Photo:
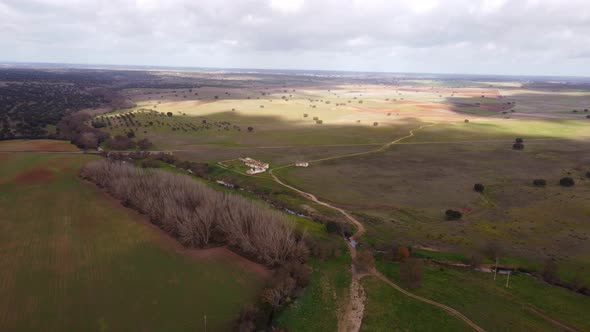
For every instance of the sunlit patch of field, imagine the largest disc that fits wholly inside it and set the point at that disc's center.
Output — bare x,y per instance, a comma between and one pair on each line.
489,129
342,114
74,260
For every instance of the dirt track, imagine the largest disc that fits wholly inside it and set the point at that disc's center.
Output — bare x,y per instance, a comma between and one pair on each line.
351,320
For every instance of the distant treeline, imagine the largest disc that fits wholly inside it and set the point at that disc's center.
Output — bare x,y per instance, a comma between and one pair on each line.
27,109
199,216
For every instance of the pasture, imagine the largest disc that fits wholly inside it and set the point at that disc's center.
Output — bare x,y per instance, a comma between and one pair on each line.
405,201
492,305
401,193
388,310
75,260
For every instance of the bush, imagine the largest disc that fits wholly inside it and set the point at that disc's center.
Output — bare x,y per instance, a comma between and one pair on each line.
478,187
539,182
98,124
333,227
492,250
549,271
120,142
401,254
588,174
169,114
411,272
518,146
144,144
567,182
453,214
150,163
519,140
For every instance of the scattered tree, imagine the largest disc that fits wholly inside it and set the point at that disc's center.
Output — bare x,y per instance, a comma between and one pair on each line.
411,272
567,182
401,253
492,250
453,214
120,142
144,144
539,182
549,271
478,187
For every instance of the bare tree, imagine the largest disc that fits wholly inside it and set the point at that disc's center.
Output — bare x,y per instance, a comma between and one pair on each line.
198,215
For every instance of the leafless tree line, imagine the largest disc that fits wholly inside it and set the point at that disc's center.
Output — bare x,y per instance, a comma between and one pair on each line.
199,216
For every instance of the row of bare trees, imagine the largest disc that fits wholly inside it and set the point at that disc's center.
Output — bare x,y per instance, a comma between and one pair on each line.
199,216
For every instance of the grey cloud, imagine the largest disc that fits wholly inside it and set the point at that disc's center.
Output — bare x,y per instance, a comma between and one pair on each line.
477,36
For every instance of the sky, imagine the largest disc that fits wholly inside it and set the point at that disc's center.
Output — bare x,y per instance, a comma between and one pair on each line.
518,37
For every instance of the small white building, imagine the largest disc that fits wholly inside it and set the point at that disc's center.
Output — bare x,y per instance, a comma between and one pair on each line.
225,184
302,164
255,166
255,170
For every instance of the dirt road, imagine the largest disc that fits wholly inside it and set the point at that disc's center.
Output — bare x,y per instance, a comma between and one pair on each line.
351,319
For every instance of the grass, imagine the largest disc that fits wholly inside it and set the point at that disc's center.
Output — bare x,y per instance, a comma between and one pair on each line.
490,129
36,145
317,309
401,195
493,306
386,309
73,260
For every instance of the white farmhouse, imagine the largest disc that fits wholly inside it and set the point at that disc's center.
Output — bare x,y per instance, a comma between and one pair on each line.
255,166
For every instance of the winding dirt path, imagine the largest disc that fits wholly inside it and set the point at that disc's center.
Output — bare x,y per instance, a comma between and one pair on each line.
351,320
425,300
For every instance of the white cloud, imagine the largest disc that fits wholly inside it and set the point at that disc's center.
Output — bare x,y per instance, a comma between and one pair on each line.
287,6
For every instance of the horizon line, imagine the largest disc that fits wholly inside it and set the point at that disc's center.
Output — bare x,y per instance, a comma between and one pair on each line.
65,65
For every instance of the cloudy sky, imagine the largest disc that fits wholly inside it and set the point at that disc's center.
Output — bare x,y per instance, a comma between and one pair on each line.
539,37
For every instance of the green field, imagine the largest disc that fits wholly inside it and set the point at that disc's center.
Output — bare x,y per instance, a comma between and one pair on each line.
401,193
74,260
493,306
388,310
323,299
